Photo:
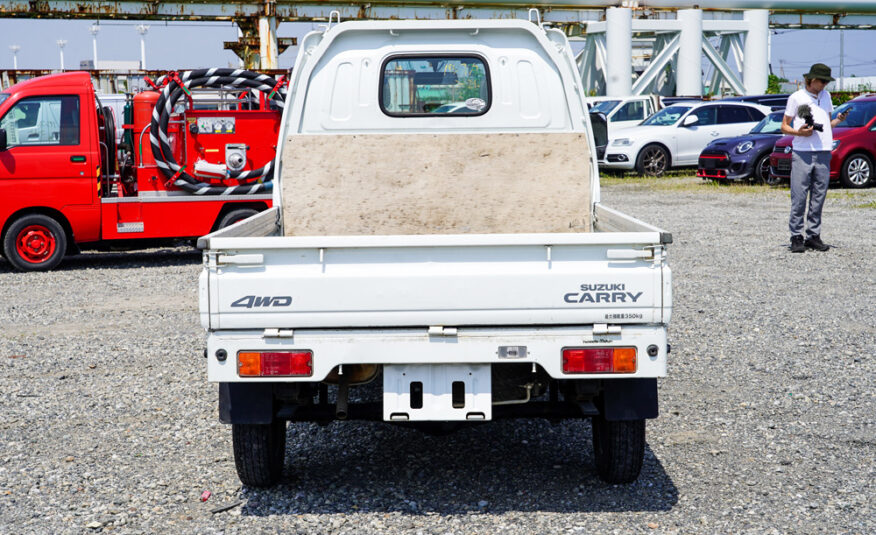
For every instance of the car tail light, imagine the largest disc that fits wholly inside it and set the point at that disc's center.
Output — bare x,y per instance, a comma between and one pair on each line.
599,360
274,363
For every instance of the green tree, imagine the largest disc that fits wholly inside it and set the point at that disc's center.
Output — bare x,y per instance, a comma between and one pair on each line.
774,84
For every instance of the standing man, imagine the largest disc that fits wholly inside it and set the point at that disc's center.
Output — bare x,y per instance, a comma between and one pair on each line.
810,161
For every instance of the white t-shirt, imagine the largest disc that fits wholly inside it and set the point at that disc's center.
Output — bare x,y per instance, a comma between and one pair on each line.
821,107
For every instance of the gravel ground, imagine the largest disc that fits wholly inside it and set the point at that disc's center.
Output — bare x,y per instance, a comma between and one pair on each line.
107,423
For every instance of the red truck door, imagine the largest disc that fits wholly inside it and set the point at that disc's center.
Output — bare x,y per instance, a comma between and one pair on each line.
49,166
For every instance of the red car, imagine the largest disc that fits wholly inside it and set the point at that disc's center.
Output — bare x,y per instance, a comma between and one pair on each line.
854,147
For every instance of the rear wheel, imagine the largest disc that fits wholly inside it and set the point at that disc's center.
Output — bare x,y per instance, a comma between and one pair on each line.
259,452
236,215
35,242
618,449
653,160
857,171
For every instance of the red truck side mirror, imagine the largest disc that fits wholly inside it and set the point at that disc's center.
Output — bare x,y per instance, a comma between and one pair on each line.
2,139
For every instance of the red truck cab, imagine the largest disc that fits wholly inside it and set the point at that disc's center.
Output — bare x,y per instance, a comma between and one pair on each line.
59,187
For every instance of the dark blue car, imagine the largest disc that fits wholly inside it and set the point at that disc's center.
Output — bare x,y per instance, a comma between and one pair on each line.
744,157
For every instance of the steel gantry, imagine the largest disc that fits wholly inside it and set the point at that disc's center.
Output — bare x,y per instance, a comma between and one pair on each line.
676,33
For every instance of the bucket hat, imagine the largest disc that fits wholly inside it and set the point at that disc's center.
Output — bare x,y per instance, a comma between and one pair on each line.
819,71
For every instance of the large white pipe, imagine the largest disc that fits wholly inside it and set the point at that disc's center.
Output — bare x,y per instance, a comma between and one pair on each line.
689,81
268,43
756,65
619,53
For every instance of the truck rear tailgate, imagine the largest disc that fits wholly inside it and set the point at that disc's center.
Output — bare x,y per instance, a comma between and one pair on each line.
430,280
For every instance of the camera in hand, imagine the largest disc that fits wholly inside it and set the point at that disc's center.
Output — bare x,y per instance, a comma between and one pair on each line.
805,112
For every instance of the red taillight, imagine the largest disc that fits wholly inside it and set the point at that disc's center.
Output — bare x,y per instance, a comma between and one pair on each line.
274,363
599,360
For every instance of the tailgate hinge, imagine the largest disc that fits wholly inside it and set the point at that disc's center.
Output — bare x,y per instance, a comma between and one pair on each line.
603,328
440,330
240,259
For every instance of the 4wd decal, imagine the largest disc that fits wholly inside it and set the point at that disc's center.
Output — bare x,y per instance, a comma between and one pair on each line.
251,301
602,293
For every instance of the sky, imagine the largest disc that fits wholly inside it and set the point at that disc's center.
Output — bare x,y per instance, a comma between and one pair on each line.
196,45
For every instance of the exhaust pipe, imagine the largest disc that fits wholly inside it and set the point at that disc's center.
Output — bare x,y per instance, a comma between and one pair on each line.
341,407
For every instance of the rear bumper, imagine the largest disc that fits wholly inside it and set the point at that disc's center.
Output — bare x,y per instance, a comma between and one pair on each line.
474,345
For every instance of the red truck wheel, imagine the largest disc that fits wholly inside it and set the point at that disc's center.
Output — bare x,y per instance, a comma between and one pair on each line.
35,242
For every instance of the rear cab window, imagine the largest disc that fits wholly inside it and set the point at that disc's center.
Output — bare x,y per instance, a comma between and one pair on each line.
434,85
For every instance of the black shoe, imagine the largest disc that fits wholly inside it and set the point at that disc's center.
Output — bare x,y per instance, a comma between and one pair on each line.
797,244
814,242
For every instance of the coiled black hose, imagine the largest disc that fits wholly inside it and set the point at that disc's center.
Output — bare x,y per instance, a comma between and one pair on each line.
250,182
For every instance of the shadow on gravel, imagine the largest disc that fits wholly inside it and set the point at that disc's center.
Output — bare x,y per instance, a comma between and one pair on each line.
498,467
122,260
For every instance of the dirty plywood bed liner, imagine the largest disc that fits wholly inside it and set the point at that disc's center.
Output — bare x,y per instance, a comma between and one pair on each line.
336,185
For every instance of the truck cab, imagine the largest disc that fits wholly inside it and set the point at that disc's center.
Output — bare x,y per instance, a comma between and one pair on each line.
66,180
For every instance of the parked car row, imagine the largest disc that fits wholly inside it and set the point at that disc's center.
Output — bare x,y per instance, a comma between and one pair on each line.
734,139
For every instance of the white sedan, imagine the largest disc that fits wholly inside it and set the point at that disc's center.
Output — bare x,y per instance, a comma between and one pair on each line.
675,136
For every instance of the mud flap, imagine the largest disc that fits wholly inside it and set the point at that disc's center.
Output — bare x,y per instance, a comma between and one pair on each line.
246,403
629,399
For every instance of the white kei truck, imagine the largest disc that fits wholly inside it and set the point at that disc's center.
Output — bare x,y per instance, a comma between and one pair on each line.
436,228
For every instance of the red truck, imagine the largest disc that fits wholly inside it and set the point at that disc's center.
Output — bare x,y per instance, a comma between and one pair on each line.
67,181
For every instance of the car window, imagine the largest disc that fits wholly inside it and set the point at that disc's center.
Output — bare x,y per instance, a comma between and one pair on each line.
860,113
631,111
42,121
734,114
604,106
706,115
667,116
434,85
771,124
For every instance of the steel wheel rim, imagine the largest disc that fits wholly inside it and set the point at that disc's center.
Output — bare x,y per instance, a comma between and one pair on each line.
655,161
35,244
858,171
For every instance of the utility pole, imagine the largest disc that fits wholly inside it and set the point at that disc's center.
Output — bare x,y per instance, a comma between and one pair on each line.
15,49
142,29
94,29
61,44
842,58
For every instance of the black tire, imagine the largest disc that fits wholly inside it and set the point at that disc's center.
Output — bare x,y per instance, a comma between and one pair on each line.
238,214
761,172
618,449
857,171
259,452
653,160
35,242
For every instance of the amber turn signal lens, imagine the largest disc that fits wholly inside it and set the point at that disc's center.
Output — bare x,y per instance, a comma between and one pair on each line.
249,364
624,360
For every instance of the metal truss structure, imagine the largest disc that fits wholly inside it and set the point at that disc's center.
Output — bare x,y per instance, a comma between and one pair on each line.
679,30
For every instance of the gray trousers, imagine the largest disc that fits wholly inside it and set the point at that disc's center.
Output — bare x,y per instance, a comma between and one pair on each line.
810,174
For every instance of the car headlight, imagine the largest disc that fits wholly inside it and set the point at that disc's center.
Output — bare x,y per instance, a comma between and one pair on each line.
622,142
836,144
788,149
744,147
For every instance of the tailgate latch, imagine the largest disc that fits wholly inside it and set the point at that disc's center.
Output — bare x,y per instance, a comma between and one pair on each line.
440,330
603,328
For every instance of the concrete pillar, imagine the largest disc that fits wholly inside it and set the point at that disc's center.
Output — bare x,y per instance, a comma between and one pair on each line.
690,53
756,65
619,51
268,43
